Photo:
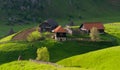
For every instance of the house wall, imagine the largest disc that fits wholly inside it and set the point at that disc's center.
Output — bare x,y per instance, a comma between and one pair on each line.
88,31
69,31
60,36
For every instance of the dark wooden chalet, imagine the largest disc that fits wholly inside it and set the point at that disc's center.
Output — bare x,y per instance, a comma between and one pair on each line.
60,33
48,25
89,25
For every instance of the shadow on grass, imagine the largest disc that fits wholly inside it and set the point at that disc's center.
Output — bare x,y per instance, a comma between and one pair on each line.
57,50
8,56
68,49
72,48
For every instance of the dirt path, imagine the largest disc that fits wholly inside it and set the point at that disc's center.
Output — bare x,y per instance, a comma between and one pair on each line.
41,62
23,35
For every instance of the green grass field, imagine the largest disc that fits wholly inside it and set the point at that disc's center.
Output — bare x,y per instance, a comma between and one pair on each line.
106,59
114,30
71,55
27,65
11,50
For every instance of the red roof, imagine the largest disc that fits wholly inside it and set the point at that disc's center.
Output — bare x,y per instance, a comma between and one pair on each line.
59,29
90,25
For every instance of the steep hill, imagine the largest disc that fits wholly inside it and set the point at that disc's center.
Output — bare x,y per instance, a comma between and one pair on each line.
12,50
34,10
114,30
106,59
68,48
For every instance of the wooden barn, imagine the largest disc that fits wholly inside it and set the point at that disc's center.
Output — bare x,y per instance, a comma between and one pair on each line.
60,33
89,25
48,25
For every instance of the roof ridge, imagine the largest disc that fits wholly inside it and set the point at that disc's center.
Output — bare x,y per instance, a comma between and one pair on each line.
59,29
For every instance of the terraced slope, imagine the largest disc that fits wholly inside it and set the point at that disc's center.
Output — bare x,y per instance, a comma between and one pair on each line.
23,34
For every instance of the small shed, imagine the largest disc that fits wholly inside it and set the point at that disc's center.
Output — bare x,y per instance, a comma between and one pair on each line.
60,33
48,25
89,25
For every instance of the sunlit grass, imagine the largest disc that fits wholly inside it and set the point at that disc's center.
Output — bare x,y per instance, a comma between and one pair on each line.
106,59
28,65
114,30
8,38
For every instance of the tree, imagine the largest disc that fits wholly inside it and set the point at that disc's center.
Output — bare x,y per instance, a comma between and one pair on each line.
34,36
94,34
42,54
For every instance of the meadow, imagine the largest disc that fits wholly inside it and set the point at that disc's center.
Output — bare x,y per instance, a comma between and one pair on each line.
68,55
27,65
4,29
88,53
114,30
106,59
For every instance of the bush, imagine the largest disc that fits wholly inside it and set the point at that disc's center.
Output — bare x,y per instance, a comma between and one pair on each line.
42,54
34,36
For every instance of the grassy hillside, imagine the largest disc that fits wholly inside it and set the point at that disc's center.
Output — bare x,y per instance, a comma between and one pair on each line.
8,38
27,65
106,59
114,30
68,48
11,50
4,29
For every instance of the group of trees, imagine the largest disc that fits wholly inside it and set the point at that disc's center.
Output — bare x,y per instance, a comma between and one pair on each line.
21,11
33,10
24,4
34,36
